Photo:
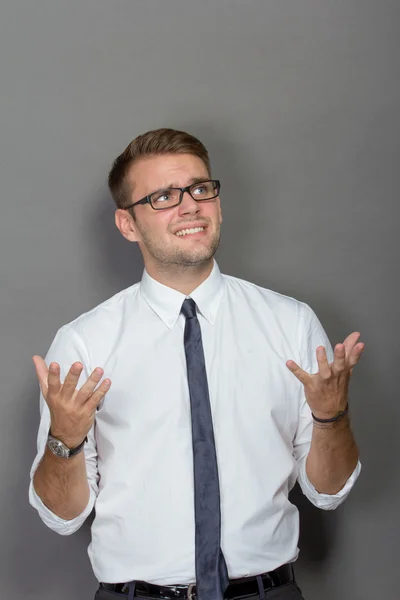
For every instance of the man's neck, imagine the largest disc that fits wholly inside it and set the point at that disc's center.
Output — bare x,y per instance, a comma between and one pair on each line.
184,279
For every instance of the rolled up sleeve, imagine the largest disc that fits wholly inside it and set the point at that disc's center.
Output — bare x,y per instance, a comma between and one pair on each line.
53,521
326,501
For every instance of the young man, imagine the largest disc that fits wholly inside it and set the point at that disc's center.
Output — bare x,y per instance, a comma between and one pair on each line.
223,394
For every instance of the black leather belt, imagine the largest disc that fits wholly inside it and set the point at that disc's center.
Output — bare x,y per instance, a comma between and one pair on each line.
246,586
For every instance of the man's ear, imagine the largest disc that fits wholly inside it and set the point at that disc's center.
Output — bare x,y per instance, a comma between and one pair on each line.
127,226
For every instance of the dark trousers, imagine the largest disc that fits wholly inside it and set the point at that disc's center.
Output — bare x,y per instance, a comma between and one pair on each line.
289,591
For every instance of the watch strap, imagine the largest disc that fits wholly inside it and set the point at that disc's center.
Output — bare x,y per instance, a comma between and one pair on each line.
60,449
73,451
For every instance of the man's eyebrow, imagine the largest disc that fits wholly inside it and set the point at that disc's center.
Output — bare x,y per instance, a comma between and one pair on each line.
198,179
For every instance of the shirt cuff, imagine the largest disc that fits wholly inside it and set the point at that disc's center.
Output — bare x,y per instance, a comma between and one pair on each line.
326,501
53,521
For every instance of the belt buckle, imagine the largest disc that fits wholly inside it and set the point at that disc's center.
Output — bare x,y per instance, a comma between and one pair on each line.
190,593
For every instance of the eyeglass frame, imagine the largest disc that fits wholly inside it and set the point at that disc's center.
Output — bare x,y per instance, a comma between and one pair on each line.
146,199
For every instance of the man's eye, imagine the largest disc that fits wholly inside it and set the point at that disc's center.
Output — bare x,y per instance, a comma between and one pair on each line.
200,190
163,197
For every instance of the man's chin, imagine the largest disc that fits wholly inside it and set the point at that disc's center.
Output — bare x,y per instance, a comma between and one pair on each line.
183,257
194,258
193,261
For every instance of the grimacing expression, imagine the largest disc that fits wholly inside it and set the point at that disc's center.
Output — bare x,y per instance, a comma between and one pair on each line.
163,235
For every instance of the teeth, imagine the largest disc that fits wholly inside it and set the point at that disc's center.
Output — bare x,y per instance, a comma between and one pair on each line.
186,231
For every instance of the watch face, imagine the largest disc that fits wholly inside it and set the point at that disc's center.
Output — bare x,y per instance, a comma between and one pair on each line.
58,448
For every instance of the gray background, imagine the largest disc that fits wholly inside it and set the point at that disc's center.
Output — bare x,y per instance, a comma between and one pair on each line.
297,101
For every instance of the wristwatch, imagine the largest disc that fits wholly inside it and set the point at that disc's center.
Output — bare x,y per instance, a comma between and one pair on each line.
60,449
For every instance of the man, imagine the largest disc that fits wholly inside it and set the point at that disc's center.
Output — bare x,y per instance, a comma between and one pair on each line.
223,394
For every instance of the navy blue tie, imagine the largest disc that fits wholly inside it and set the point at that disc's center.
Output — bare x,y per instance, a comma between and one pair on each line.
211,572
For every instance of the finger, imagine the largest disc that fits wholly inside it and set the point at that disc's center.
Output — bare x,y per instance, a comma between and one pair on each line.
350,342
53,379
323,365
89,386
41,373
98,395
301,375
71,380
356,354
339,359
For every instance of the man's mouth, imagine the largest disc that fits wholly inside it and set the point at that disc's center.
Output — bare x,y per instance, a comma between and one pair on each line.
191,231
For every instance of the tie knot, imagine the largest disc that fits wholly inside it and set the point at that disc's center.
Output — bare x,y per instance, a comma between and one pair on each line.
189,308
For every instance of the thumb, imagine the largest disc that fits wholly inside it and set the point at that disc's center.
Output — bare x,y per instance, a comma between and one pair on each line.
42,373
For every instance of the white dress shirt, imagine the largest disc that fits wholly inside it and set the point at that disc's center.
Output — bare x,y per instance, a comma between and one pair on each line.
139,453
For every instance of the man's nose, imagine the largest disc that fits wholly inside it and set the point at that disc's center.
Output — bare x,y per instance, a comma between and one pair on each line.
188,204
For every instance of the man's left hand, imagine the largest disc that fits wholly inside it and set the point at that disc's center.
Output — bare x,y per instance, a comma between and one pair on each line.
327,391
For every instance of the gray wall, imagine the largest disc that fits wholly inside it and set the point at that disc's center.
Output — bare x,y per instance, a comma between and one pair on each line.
298,103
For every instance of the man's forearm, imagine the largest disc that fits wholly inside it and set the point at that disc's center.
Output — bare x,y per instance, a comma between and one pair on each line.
333,456
62,484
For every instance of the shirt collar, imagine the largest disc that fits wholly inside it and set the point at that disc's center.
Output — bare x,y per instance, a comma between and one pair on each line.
167,302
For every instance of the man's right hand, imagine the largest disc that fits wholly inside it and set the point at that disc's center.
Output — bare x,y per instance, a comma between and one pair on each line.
72,411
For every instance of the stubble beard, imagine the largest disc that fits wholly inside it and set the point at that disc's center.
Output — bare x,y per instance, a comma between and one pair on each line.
179,257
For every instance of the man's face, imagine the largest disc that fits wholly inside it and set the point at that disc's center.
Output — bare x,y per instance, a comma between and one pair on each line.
155,230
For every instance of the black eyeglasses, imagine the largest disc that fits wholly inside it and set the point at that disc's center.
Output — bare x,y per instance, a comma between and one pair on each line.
170,197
